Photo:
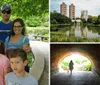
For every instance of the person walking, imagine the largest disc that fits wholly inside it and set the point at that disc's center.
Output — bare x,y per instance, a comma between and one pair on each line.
71,66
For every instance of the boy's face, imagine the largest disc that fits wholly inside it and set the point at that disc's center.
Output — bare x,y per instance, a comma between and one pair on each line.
17,64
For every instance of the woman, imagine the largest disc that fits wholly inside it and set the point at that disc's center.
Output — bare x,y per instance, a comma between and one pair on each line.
17,39
71,66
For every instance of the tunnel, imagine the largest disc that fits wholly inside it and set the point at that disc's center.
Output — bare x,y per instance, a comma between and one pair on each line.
60,51
79,62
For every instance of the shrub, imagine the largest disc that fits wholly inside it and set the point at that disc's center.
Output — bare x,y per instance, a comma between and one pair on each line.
87,67
61,37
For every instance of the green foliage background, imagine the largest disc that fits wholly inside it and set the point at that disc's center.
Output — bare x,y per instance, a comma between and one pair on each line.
33,12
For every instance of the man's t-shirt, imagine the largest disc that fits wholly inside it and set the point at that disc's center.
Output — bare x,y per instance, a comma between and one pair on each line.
12,79
5,30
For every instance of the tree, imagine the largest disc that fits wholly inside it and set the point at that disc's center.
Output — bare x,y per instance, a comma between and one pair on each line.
83,20
98,19
26,8
94,20
33,12
89,20
57,18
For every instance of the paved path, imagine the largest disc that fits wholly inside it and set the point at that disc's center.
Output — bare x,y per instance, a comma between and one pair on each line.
42,48
77,78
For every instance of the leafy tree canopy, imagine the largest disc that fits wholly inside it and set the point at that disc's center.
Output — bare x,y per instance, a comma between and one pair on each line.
57,18
26,8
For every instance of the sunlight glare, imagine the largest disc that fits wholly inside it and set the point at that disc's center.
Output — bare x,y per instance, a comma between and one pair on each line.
74,57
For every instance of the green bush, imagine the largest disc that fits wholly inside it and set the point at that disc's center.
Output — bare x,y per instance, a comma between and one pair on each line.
77,61
46,24
87,67
33,21
30,31
64,65
61,37
30,57
41,31
44,31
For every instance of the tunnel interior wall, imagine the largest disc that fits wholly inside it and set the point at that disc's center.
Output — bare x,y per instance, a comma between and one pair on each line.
60,51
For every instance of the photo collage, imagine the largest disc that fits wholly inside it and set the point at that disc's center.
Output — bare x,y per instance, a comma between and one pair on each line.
49,42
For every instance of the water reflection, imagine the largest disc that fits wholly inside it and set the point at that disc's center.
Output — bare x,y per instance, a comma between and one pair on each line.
82,31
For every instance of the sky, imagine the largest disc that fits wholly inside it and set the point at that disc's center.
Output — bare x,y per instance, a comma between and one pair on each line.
93,6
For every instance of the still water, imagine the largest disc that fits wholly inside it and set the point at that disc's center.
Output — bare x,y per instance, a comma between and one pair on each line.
80,31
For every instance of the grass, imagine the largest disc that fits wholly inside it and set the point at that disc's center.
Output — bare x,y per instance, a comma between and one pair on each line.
61,37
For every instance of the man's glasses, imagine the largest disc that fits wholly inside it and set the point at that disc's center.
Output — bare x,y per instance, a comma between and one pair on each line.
8,12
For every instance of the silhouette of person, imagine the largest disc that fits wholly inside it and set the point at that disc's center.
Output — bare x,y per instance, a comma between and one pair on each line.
71,66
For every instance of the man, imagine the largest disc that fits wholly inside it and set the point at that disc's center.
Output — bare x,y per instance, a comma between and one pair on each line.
5,23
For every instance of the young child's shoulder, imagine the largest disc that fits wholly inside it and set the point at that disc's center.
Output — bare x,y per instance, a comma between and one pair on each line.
9,74
32,79
30,76
29,80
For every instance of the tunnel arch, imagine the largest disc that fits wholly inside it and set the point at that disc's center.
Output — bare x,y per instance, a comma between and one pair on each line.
74,52
90,51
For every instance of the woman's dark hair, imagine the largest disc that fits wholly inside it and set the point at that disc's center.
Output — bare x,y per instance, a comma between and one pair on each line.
2,47
22,24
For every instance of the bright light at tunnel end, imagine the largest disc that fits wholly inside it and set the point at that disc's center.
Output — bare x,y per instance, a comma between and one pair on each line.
75,56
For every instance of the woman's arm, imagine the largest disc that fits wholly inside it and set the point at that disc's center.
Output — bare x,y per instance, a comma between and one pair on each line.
26,48
26,45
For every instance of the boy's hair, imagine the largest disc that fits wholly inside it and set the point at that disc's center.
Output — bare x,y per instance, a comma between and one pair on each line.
2,47
18,52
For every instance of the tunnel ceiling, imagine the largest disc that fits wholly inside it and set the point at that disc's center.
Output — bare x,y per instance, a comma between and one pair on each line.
57,50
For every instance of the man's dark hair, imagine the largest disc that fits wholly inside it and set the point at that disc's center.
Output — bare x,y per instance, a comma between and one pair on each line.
18,52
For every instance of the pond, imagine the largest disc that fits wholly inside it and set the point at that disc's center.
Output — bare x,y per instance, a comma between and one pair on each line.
81,31
75,31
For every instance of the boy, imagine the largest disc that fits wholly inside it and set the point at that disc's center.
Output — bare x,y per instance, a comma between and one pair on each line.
18,61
